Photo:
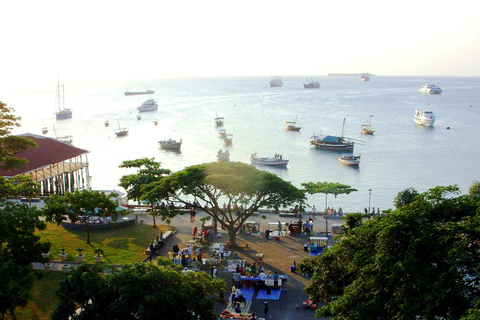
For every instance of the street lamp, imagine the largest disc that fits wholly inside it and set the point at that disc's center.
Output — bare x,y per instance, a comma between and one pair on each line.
369,196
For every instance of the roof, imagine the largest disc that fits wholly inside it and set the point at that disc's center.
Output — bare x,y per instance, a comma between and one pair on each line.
49,151
332,139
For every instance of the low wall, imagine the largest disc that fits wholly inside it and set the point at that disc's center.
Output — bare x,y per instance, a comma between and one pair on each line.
99,226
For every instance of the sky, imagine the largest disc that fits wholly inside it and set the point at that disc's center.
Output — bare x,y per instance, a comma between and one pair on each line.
88,41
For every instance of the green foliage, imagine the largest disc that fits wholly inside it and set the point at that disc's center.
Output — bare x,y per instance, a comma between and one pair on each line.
405,197
352,221
78,205
138,291
419,262
236,184
10,145
474,191
19,248
334,188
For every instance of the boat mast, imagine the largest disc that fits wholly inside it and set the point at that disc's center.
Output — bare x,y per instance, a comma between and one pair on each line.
58,92
63,92
343,127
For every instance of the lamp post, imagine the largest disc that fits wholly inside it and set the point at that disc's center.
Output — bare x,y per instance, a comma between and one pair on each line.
369,196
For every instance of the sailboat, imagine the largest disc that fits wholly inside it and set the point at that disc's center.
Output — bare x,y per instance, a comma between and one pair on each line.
332,143
64,139
121,131
367,128
62,112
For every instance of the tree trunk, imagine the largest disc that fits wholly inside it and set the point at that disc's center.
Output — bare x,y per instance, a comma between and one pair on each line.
232,234
88,231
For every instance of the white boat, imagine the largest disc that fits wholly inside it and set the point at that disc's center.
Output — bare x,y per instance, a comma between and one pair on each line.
227,140
62,112
170,144
424,118
149,105
222,133
292,125
332,143
106,123
349,160
44,130
277,161
276,81
431,88
120,132
311,84
223,156
365,77
367,128
218,121
134,93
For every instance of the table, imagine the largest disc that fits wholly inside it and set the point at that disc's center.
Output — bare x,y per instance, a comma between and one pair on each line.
269,282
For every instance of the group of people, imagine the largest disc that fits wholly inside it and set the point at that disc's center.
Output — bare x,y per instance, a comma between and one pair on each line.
157,243
185,255
370,215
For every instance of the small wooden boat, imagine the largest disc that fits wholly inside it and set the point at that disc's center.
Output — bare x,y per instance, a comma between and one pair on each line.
292,125
218,120
44,130
223,156
106,123
222,133
349,160
139,117
120,132
367,128
170,144
228,139
155,122
277,161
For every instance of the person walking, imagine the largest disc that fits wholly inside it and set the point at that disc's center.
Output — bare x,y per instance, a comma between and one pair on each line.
215,273
265,311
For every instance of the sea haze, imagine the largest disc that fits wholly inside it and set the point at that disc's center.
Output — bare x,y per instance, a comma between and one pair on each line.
400,155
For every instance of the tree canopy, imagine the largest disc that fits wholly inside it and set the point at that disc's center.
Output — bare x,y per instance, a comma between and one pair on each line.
10,145
418,262
241,187
78,206
140,291
334,188
405,197
19,248
148,171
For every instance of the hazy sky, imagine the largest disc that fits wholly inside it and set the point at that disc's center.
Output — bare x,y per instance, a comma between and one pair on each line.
84,41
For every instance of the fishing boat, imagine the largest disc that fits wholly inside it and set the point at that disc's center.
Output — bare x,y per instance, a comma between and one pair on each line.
44,130
276,161
134,93
365,77
106,123
149,105
120,132
367,128
62,113
170,144
431,88
311,84
218,120
292,125
222,133
349,160
155,122
139,117
276,81
332,143
424,118
223,156
227,140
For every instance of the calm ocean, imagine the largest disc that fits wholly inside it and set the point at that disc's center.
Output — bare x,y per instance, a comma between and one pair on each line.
401,154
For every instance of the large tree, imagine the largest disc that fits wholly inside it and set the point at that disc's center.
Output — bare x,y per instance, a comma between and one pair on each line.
148,171
140,291
78,206
327,188
241,187
10,145
19,248
418,262
405,197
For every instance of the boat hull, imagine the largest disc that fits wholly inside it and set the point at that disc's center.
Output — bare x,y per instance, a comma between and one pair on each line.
334,147
270,164
350,161
170,144
424,122
311,86
64,114
121,133
135,93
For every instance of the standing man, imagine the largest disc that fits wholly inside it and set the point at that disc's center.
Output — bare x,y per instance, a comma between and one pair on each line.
215,273
279,228
265,311
221,250
314,212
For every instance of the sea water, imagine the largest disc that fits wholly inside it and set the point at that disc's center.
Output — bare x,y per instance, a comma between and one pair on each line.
401,154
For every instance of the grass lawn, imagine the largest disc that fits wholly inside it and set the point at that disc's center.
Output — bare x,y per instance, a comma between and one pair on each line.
120,246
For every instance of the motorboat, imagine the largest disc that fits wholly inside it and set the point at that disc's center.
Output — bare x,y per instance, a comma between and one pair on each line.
365,77
311,84
149,105
44,130
332,143
134,93
227,140
430,88
106,123
170,144
120,132
276,161
276,81
349,160
367,128
222,133
424,118
223,156
62,113
292,125
218,121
